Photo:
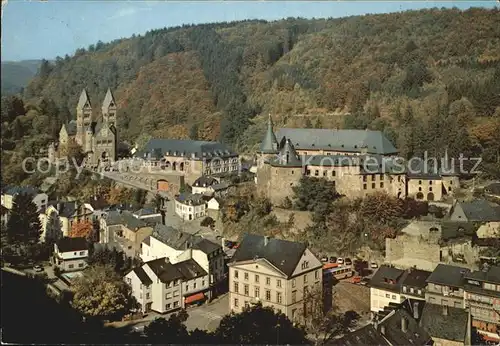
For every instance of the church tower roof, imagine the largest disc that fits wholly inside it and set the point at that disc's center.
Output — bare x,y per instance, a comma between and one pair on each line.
269,143
288,156
109,101
84,100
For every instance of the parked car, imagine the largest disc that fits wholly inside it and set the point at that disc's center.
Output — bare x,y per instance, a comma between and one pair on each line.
38,268
356,279
348,262
364,281
333,259
373,265
340,260
324,259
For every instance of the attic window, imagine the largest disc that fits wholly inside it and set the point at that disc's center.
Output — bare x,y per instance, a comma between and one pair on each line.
374,147
355,147
312,144
342,145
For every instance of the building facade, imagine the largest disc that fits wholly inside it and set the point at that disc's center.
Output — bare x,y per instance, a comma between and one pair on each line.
386,288
40,199
274,272
58,219
70,254
445,286
190,206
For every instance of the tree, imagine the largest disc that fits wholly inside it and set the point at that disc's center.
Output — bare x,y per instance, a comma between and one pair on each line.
171,331
381,208
53,227
81,229
259,325
23,226
316,195
119,195
103,294
73,151
207,222
193,132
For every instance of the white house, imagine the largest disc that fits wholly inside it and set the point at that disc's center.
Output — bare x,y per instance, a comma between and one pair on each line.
210,187
70,254
179,246
190,206
385,287
162,286
214,204
39,198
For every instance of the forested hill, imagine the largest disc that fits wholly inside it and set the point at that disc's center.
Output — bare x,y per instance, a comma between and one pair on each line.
425,73
17,74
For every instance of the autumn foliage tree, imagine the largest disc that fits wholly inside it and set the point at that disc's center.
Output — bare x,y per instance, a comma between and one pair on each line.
381,208
82,229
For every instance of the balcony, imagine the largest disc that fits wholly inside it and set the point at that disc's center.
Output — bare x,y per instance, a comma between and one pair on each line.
477,301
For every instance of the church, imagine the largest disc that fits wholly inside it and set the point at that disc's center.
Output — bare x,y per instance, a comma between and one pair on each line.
96,135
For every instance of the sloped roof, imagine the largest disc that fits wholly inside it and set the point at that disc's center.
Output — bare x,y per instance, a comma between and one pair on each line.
165,270
493,188
71,244
206,246
205,181
71,128
480,210
125,218
84,98
190,269
108,100
452,230
269,143
283,254
16,190
341,140
452,326
416,278
414,334
173,237
491,275
287,156
385,274
187,148
143,276
448,275
367,335
191,198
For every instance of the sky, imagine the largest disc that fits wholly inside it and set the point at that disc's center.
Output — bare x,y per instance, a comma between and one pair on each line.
35,30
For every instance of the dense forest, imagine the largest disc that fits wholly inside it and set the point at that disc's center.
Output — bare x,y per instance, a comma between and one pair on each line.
17,74
429,79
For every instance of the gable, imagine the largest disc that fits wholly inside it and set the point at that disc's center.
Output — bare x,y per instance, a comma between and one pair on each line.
458,213
260,266
311,260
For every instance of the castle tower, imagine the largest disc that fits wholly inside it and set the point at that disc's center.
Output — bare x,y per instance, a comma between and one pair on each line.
83,117
109,109
269,145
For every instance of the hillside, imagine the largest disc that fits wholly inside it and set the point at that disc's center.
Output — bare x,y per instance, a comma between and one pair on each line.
429,79
17,74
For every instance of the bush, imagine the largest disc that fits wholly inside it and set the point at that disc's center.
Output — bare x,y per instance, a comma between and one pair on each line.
207,222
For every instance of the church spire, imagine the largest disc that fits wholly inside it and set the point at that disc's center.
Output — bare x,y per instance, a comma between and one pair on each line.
269,143
83,101
109,102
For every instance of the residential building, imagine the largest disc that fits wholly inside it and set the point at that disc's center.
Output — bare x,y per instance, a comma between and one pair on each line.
178,246
123,228
475,211
162,286
189,158
70,254
9,193
399,327
445,286
278,273
190,206
58,218
414,284
210,186
214,203
493,190
482,298
149,215
367,335
386,287
448,326
98,206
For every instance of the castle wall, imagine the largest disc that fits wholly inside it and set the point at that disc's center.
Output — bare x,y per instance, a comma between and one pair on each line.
427,189
282,180
450,184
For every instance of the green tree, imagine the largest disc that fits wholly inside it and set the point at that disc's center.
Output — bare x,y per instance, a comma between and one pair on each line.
316,195
23,226
171,331
381,208
101,293
193,132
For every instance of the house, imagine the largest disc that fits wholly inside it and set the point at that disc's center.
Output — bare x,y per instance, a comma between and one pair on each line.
189,206
9,193
162,286
445,286
178,246
414,284
492,190
98,206
149,215
70,254
446,325
202,185
399,327
214,204
475,211
275,272
58,218
386,287
367,335
482,297
122,227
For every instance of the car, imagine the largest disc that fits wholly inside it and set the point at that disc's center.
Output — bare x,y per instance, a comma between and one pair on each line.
348,262
356,279
364,281
373,265
324,259
340,260
38,268
333,259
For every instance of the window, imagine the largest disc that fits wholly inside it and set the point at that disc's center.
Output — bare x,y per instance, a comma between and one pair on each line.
71,266
430,188
194,285
364,186
268,281
278,283
316,173
176,283
382,185
236,288
293,282
412,290
81,253
246,290
147,295
203,282
373,185
187,287
308,172
373,177
364,178
129,281
168,306
236,302
381,176
257,292
316,274
176,304
305,265
387,295
393,296
324,173
430,182
294,313
176,293
235,274
80,265
246,304
333,173
256,278
294,296
168,295
419,291
278,297
246,276
404,289
268,295
305,278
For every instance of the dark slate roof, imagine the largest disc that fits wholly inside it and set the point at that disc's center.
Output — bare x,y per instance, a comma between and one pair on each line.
283,254
221,186
146,211
187,148
98,203
416,278
71,244
28,190
70,128
126,218
191,198
65,208
190,269
165,270
143,276
385,275
452,326
174,238
475,279
414,335
269,144
451,230
206,246
412,306
448,275
84,98
494,189
341,140
367,335
480,210
287,156
205,181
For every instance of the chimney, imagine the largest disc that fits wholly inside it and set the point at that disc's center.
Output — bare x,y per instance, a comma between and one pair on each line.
415,310
445,310
266,240
162,217
404,324
382,330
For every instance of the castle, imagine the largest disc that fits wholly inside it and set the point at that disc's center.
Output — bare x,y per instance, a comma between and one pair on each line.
357,162
97,136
